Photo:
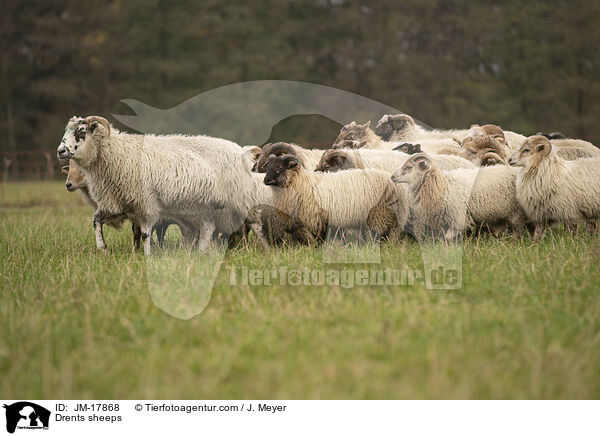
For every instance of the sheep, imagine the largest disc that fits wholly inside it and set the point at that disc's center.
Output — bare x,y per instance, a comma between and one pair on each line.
403,128
484,151
551,189
362,136
262,219
76,181
443,204
309,158
553,135
345,199
488,150
344,159
147,178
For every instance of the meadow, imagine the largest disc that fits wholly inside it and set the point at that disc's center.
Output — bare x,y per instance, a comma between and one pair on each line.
76,323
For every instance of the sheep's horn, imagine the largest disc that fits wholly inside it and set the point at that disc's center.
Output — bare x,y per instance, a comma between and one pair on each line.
101,120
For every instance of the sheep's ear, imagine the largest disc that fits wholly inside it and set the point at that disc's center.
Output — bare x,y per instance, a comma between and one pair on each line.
367,124
541,147
65,170
292,163
423,165
337,160
248,160
93,125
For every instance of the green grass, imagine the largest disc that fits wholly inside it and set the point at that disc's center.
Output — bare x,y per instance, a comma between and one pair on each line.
75,323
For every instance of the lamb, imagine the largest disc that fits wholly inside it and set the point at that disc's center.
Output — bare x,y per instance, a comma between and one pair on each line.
443,204
551,189
362,136
344,159
76,181
309,158
148,178
344,200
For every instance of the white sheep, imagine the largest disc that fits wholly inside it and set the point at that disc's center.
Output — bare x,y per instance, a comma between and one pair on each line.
147,178
386,160
443,204
361,136
76,181
551,189
402,128
346,199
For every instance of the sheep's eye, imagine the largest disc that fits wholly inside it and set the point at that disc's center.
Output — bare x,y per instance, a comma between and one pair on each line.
526,150
76,147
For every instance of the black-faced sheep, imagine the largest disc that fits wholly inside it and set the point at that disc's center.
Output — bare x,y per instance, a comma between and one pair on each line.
309,158
346,199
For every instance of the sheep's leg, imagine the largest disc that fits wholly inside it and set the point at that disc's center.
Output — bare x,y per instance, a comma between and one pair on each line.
572,228
539,231
97,223
206,232
137,236
592,227
146,237
161,231
260,235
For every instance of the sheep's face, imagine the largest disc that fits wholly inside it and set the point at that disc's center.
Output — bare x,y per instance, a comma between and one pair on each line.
276,149
393,124
75,143
72,138
468,149
409,148
334,160
75,178
533,150
352,136
413,170
281,169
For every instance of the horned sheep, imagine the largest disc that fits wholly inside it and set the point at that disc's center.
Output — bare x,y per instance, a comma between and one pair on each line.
309,158
346,199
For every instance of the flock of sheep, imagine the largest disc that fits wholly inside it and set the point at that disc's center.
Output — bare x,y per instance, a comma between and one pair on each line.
398,179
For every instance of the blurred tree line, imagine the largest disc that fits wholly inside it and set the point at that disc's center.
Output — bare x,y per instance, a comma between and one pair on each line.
527,66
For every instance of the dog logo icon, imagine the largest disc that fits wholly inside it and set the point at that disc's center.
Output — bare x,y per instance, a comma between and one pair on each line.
26,415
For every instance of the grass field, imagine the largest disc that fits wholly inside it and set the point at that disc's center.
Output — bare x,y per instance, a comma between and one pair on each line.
75,323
